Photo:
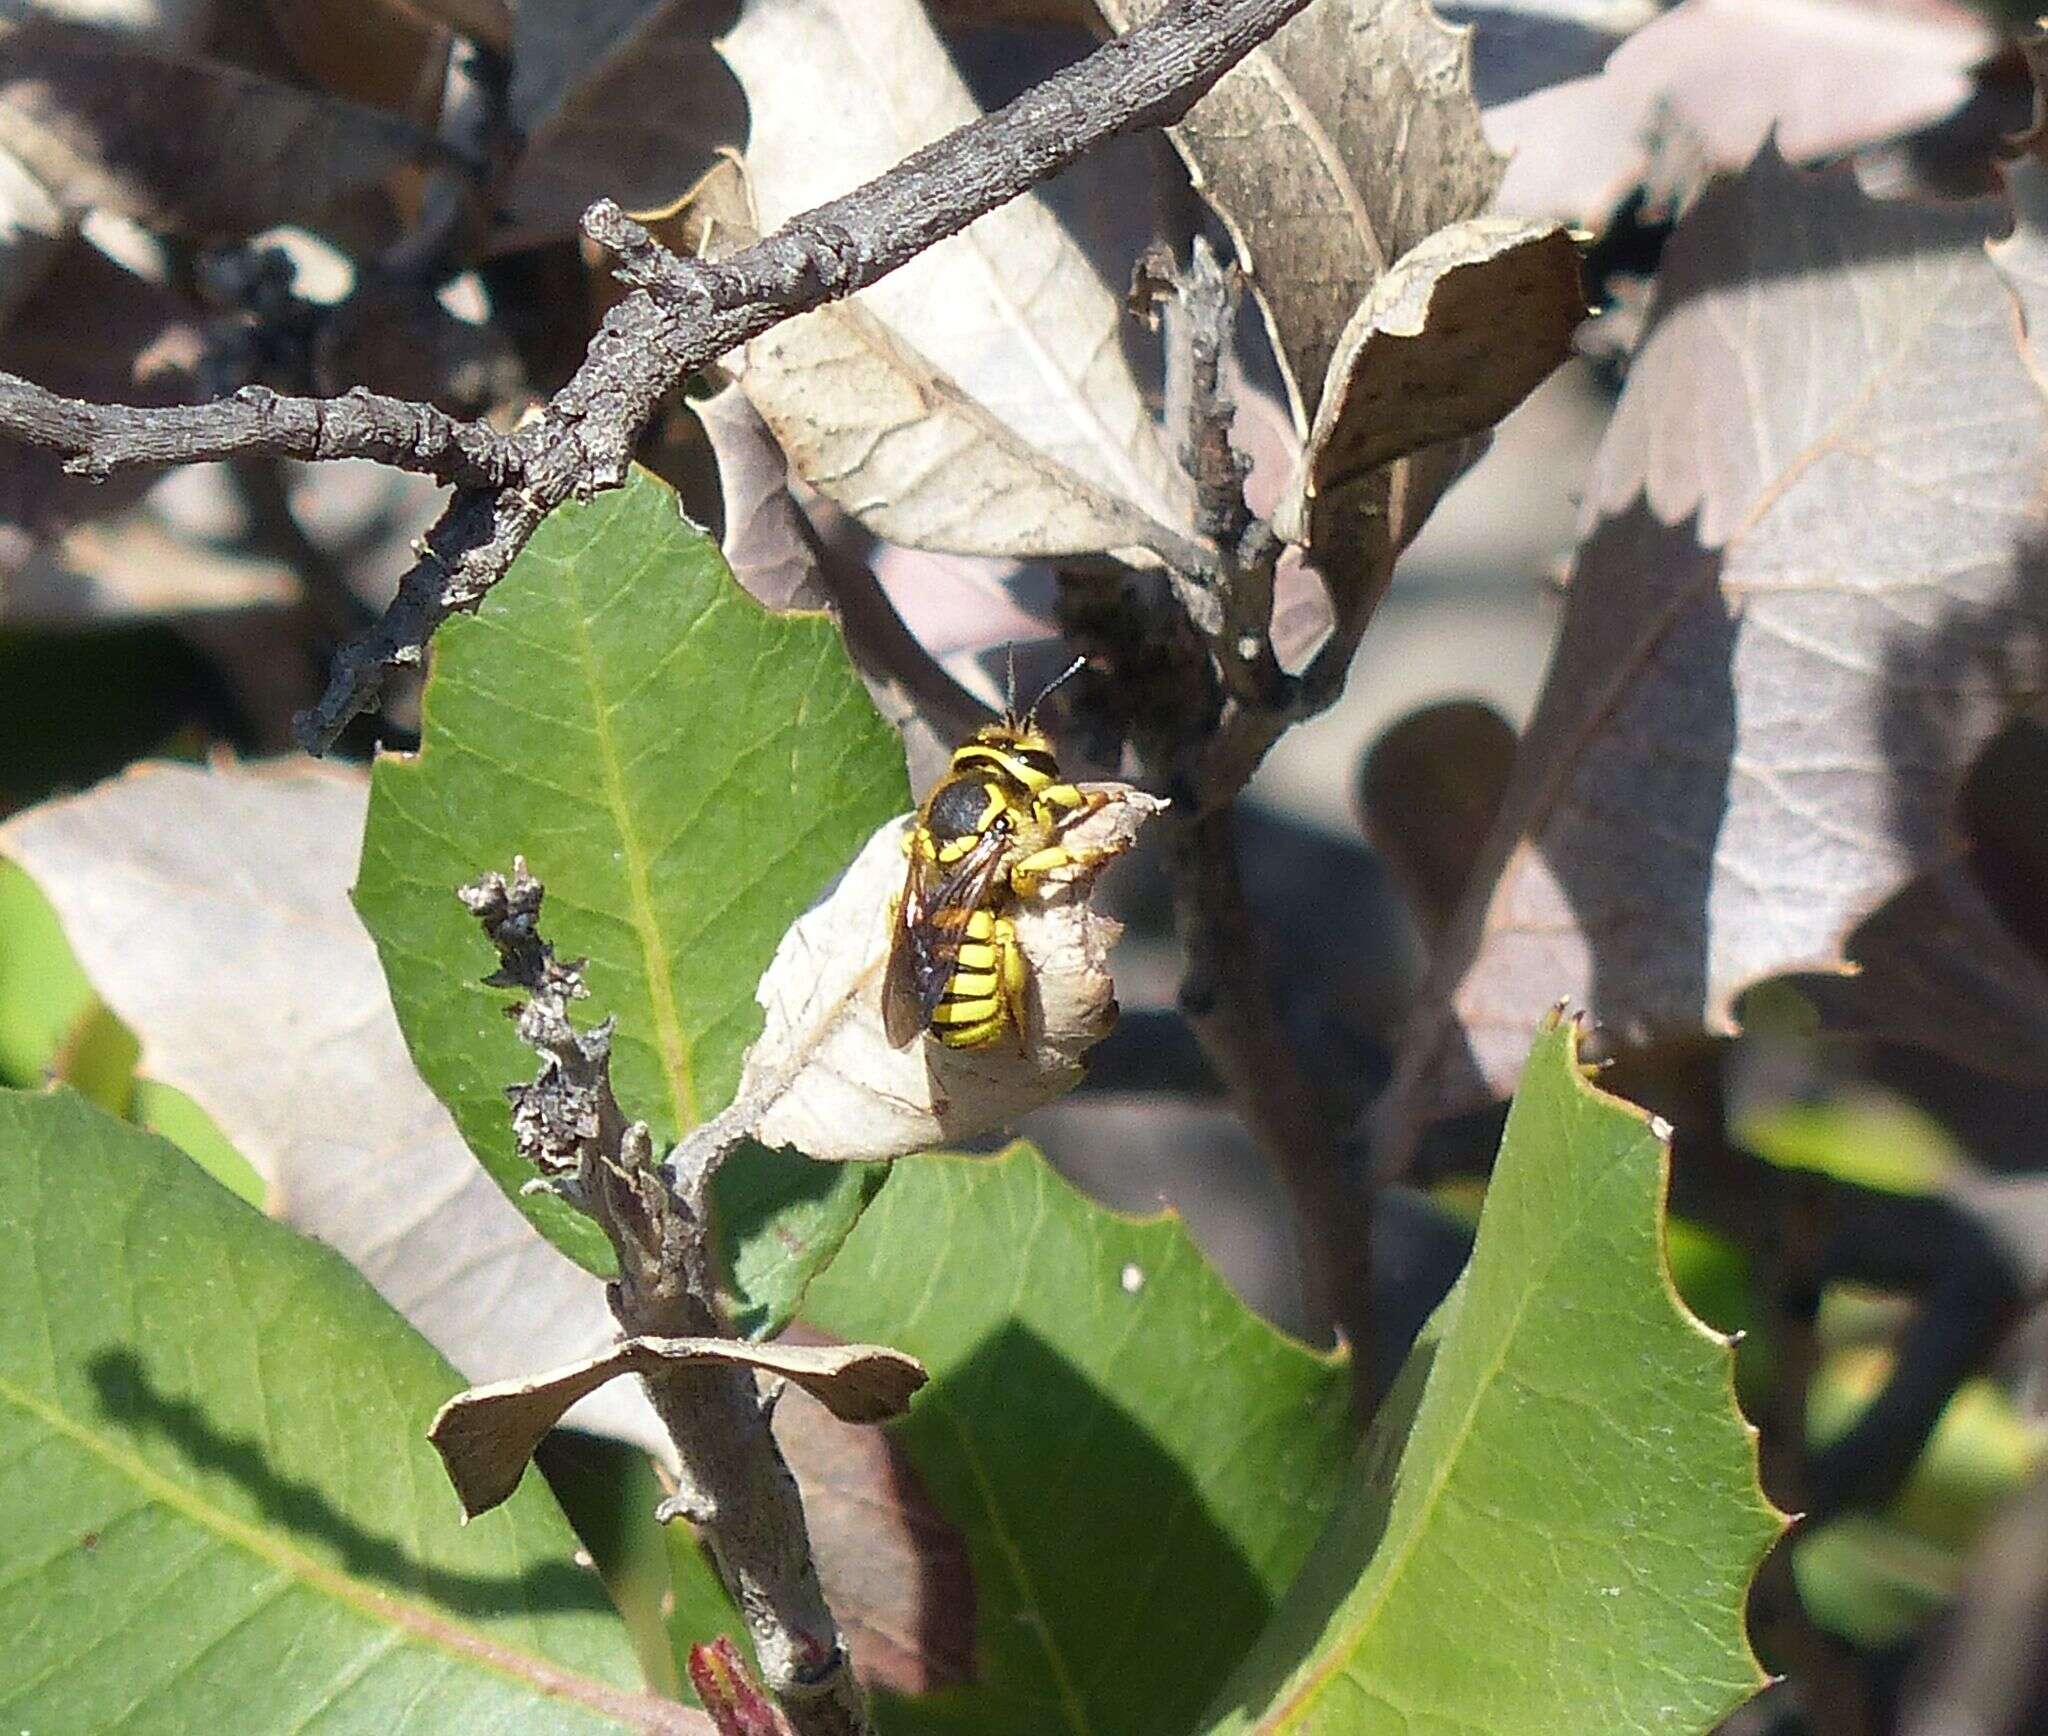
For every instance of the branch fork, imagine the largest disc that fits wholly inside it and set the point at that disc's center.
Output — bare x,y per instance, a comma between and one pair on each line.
706,1385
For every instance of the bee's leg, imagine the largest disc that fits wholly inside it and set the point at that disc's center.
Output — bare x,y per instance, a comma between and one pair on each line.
1028,875
1060,805
1015,969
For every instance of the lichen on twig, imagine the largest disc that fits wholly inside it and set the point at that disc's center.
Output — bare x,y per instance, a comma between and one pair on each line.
732,1484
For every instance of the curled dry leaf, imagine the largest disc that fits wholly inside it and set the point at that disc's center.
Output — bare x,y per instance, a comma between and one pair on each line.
620,99
835,1087
84,109
1812,591
1330,151
486,1436
1460,330
978,399
868,420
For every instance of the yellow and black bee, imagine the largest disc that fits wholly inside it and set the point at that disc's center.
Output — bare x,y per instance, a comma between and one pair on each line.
987,835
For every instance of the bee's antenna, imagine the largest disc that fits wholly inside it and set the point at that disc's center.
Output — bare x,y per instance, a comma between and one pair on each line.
1010,679
1072,669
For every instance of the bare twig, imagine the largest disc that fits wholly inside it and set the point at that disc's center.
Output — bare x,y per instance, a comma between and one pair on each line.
1225,998
1205,697
734,1486
683,315
103,439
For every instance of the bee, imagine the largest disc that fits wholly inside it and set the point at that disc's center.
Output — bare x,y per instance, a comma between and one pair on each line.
987,835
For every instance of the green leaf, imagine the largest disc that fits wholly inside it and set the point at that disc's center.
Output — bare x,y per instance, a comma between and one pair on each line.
221,1511
1572,1516
43,994
1137,1462
686,772
166,1110
51,1021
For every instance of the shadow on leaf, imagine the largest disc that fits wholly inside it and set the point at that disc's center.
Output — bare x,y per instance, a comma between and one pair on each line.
129,1397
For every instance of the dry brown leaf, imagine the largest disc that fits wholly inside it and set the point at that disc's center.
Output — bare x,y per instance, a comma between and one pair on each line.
85,111
896,1572
620,99
488,22
1427,796
487,1435
767,541
1828,77
91,329
1813,589
210,910
387,53
1460,330
839,1091
1330,151
869,422
1004,370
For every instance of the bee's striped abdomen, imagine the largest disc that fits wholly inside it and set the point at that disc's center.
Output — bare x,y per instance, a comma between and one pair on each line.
972,1010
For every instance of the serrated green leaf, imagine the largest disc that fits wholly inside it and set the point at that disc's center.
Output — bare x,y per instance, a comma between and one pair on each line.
221,1511
1556,1523
685,772
1137,1462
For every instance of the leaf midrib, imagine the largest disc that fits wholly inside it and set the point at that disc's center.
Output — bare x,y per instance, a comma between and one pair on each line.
661,990
1355,1634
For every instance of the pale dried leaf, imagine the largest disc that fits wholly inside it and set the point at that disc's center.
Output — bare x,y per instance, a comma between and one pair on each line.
210,910
487,1435
871,424
85,110
1330,151
1009,313
1813,591
1519,46
1460,330
635,103
896,1572
842,1093
767,542
1827,77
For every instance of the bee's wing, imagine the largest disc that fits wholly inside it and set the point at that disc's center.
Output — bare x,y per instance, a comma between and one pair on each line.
927,934
901,1018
